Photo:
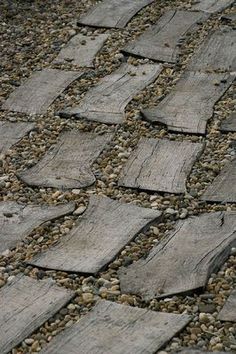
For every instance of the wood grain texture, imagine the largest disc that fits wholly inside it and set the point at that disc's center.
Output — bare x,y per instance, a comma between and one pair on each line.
101,233
223,187
190,104
160,165
118,329
211,6
36,94
229,124
81,50
112,13
160,41
228,312
17,221
12,133
184,260
216,53
68,163
25,305
106,101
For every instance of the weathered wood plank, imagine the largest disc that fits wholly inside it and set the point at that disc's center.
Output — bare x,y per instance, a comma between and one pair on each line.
12,133
160,165
183,261
192,351
189,105
101,233
223,187
81,50
17,221
113,13
118,329
36,94
25,305
106,101
160,42
228,312
229,124
217,52
68,163
211,6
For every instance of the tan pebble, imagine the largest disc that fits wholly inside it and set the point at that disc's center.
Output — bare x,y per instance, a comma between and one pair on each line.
217,347
35,346
87,298
55,195
80,210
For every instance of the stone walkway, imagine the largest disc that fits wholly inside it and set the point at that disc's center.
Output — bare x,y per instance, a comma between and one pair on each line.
117,184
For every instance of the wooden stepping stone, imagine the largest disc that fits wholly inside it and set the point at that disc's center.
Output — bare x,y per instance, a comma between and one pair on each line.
228,312
106,101
101,233
190,104
160,42
17,221
113,13
229,124
184,260
68,163
118,329
160,165
25,305
223,187
81,50
217,52
12,133
36,94
211,6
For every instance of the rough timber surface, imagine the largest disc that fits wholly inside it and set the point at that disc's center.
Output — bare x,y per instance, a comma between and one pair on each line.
223,187
25,305
229,124
184,260
211,6
160,165
160,41
81,50
190,104
103,230
228,312
68,163
217,52
17,221
118,329
36,94
113,13
11,133
106,101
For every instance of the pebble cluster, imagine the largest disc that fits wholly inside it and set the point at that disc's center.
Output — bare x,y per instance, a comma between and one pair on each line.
32,33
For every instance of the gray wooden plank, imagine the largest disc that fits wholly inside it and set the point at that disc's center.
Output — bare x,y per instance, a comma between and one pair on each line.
106,101
100,234
160,41
81,50
25,305
229,124
118,329
216,53
228,312
193,351
190,104
160,165
68,163
12,133
112,13
184,260
17,221
211,6
36,94
223,187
